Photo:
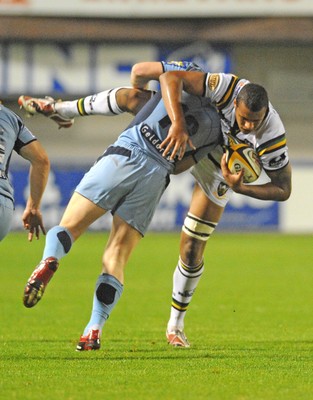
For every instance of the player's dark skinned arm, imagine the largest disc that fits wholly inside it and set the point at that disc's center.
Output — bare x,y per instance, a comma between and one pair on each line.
172,84
278,189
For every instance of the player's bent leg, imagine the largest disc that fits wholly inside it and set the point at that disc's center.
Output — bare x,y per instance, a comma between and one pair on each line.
108,291
79,214
122,241
132,100
109,285
58,243
107,103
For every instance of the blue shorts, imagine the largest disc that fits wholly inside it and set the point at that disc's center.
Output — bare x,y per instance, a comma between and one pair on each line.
126,181
6,215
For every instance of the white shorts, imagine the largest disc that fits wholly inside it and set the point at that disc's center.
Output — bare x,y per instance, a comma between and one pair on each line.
208,174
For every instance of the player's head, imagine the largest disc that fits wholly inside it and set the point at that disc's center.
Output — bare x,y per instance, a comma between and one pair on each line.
251,106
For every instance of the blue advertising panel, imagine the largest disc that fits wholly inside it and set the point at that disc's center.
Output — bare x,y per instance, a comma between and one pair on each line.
241,214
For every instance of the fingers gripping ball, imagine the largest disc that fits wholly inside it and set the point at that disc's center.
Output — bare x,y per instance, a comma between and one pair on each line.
242,156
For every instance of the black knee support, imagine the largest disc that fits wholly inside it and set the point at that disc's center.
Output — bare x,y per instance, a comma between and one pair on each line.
106,293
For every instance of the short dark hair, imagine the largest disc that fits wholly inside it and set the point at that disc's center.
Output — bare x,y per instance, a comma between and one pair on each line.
254,97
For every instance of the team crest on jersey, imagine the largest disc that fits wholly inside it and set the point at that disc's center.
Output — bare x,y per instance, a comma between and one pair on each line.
278,162
222,189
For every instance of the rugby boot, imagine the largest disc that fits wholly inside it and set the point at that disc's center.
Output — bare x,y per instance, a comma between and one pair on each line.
177,338
46,107
38,281
91,341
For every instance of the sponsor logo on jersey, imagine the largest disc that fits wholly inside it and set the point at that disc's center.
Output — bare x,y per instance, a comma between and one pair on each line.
278,161
152,138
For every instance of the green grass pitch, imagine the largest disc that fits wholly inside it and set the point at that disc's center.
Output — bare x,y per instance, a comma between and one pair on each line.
250,323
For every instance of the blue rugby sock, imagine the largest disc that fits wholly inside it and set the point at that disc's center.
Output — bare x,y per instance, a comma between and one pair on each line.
58,243
107,293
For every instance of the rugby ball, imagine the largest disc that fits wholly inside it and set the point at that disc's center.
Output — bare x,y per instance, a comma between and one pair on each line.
241,156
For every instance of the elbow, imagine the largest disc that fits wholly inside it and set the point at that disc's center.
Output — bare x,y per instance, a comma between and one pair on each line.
43,162
137,69
287,191
47,163
285,195
138,72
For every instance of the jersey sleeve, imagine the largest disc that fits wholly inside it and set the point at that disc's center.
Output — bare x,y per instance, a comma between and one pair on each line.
24,136
222,88
180,66
273,150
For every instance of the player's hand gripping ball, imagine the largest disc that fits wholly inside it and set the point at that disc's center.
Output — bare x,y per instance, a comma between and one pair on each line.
242,156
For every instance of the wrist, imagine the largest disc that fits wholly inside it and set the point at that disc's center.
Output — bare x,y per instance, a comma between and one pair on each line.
32,207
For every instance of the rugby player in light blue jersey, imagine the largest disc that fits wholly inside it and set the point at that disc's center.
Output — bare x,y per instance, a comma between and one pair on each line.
128,180
14,136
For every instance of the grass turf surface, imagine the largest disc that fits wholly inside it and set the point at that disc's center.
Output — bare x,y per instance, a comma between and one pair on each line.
250,323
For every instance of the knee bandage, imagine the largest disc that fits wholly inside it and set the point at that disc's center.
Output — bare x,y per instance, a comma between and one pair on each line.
198,228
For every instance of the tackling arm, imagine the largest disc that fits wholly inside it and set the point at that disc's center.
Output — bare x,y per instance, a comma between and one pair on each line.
132,100
144,72
172,85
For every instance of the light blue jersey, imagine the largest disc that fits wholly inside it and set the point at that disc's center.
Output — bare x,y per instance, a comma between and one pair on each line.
151,125
13,136
180,66
131,176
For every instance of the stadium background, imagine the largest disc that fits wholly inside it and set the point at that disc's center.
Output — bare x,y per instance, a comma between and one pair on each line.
80,47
